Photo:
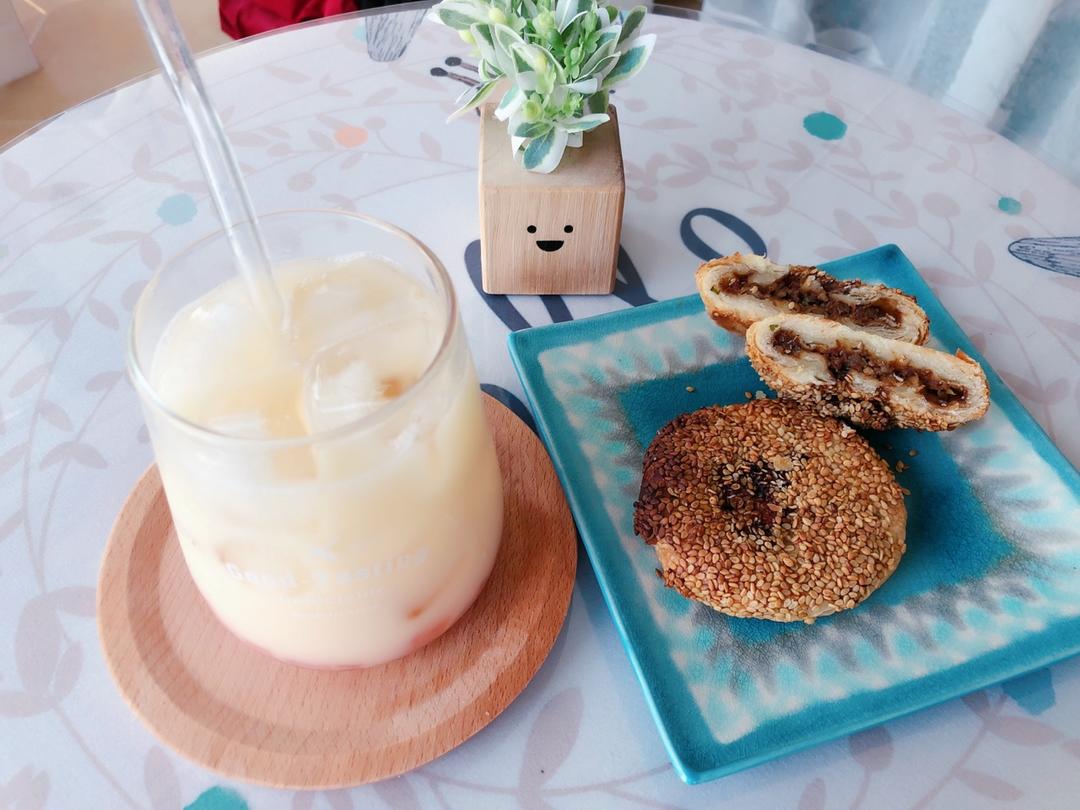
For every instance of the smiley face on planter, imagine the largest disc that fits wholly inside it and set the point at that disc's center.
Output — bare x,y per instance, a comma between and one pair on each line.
550,234
551,245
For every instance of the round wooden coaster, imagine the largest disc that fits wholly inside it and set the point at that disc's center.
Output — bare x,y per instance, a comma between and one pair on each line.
230,707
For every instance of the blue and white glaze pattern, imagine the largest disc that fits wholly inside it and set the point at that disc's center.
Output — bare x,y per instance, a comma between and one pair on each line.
987,589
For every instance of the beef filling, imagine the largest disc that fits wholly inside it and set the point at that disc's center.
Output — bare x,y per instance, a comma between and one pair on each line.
841,359
813,292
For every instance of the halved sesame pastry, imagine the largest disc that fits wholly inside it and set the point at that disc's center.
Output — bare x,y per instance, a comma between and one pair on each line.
870,380
738,290
766,510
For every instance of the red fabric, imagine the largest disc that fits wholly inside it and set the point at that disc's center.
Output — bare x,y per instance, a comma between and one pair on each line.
242,18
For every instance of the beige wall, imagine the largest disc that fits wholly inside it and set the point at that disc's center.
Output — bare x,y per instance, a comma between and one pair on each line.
84,48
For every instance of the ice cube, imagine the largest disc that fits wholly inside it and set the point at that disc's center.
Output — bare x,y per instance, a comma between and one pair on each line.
341,387
357,376
333,306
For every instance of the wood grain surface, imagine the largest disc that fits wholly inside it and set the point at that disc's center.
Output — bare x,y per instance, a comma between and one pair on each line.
585,192
236,710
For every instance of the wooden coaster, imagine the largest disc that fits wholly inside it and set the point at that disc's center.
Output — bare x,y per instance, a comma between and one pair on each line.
232,708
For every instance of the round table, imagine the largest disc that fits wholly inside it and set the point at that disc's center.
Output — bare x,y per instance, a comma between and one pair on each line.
813,157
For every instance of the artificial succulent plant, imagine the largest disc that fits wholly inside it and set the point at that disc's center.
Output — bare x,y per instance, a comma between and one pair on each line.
558,60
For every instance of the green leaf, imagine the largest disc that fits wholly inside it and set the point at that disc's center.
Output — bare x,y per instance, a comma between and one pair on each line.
632,23
566,11
631,61
597,102
472,97
604,49
546,83
534,130
530,9
521,64
556,65
585,123
543,154
601,70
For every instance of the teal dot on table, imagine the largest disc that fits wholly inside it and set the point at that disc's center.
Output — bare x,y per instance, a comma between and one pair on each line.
218,798
360,33
1010,205
824,125
177,209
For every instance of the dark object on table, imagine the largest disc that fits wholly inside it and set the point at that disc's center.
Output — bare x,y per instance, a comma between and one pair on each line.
1061,254
388,35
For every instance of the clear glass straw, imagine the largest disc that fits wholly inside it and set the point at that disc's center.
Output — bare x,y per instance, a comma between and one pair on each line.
218,162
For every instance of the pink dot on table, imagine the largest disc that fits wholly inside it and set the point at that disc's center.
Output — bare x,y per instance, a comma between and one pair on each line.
351,137
758,47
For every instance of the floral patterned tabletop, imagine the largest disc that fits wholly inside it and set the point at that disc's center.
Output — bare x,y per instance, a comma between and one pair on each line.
731,142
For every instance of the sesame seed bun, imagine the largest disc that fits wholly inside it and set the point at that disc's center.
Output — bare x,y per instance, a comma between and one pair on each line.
766,510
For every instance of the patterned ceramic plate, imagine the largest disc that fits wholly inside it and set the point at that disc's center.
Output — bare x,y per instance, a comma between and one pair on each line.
988,588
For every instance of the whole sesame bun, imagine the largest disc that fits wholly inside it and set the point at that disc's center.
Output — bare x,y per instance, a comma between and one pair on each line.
739,289
766,510
802,357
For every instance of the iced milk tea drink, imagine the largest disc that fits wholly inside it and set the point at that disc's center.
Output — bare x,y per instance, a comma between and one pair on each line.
333,484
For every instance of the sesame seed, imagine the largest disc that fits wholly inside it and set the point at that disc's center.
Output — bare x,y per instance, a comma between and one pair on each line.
761,510
690,389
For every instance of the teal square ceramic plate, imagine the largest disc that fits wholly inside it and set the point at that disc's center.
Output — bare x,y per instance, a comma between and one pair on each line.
988,589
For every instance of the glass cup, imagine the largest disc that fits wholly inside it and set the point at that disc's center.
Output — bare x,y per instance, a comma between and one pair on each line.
359,542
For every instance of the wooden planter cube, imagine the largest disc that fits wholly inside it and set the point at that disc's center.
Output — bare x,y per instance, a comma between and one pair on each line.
552,233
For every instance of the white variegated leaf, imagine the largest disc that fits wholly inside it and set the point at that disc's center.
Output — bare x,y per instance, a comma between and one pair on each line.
605,67
575,139
560,75
461,14
631,61
536,129
566,11
542,155
485,43
634,18
604,48
585,86
585,122
511,102
472,97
